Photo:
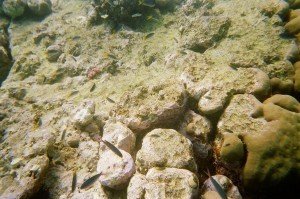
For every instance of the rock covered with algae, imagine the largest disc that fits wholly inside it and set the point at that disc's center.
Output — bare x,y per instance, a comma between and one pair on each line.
159,105
275,146
163,183
269,140
213,87
239,41
165,148
13,8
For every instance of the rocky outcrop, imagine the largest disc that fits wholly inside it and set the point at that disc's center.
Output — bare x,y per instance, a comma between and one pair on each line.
119,135
159,105
274,146
115,171
16,8
165,148
268,139
119,80
30,178
163,183
213,87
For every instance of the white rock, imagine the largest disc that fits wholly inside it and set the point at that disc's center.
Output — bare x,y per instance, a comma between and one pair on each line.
171,183
115,171
120,136
84,114
227,185
165,148
136,187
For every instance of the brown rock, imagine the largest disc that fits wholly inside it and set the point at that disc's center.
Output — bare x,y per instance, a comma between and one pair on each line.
293,26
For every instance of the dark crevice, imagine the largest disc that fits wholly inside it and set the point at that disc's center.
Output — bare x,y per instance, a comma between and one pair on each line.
5,66
42,193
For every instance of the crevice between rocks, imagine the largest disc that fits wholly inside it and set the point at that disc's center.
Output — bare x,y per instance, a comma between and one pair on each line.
5,68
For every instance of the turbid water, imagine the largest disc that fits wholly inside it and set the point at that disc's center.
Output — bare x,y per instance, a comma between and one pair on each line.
151,97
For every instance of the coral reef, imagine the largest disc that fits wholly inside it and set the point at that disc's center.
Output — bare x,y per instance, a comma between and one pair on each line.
175,87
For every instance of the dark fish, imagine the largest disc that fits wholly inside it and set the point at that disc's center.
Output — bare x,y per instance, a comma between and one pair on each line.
63,135
76,37
74,92
217,186
40,122
149,35
90,181
74,181
93,87
110,100
113,148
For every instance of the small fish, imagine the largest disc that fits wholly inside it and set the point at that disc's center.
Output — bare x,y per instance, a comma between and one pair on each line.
148,3
217,186
176,40
149,35
104,16
136,15
40,122
93,87
74,181
76,37
113,148
63,135
110,100
74,92
109,145
90,181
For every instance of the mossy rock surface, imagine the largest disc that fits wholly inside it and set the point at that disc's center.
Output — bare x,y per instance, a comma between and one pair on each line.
232,150
274,152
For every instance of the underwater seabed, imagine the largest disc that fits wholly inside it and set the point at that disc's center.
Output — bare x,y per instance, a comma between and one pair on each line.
144,99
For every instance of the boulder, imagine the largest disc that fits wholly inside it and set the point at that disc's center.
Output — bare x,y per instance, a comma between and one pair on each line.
208,189
171,183
165,148
293,26
196,126
214,87
53,52
273,153
13,8
115,171
238,118
201,33
232,151
156,106
84,114
137,186
40,7
29,180
119,135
